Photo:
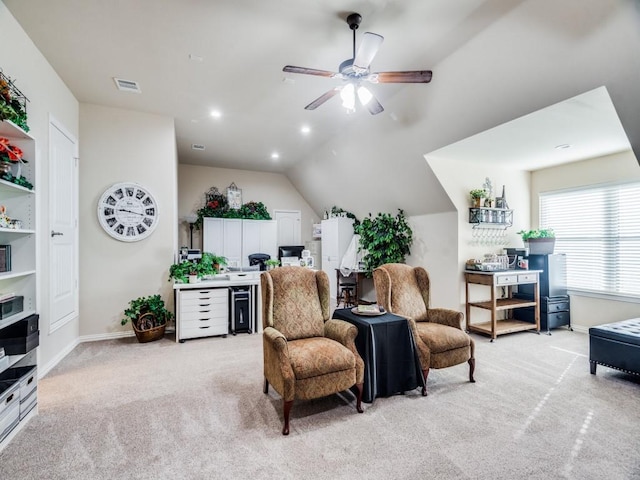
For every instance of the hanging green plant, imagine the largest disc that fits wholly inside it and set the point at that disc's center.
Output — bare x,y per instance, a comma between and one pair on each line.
337,211
386,239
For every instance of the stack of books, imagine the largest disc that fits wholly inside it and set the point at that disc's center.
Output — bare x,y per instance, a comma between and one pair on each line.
6,296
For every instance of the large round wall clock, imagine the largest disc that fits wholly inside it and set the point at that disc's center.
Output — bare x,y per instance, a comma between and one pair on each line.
128,212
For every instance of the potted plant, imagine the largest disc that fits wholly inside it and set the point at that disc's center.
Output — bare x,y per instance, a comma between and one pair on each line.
148,317
180,271
386,239
215,261
477,195
538,242
271,263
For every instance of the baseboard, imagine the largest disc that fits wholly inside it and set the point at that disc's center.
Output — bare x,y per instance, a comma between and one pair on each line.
580,328
106,336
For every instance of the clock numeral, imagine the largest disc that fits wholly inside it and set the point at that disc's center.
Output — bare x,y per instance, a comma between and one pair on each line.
150,211
111,221
119,229
110,201
131,232
140,194
118,193
109,211
129,191
141,229
147,201
148,221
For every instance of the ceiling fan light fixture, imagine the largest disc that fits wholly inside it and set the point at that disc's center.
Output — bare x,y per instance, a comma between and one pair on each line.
348,96
364,95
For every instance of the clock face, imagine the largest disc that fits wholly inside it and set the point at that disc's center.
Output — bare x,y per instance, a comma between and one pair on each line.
128,212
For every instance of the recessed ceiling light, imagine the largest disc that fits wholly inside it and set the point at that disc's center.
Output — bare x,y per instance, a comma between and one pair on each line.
562,146
216,113
197,146
275,155
195,58
305,129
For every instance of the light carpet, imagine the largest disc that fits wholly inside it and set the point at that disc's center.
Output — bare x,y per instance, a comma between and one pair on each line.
122,410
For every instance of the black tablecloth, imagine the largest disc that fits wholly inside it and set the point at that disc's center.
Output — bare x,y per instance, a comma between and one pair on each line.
385,343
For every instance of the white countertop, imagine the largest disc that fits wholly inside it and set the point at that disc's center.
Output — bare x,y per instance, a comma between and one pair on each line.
229,279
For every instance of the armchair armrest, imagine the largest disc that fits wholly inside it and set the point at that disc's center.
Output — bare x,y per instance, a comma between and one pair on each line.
340,331
277,366
445,316
345,333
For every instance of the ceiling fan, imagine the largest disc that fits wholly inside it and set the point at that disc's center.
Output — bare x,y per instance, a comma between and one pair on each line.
354,71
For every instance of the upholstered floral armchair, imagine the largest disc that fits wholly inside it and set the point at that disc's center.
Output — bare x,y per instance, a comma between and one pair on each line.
306,354
440,340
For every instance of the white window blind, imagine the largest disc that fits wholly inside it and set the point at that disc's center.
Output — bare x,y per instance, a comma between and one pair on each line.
599,230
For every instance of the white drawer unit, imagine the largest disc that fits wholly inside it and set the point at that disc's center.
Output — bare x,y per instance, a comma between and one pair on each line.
202,313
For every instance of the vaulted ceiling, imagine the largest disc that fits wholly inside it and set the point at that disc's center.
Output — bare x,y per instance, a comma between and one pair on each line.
493,61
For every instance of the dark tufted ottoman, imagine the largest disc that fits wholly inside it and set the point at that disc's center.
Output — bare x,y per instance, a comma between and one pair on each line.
616,345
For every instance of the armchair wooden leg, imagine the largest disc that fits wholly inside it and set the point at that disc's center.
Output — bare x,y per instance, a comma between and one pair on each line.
359,398
266,386
472,367
287,410
425,374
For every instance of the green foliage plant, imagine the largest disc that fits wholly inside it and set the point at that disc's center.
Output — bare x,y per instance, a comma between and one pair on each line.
478,193
152,304
542,233
385,238
254,211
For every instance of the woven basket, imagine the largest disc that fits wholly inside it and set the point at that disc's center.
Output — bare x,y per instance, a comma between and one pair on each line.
151,334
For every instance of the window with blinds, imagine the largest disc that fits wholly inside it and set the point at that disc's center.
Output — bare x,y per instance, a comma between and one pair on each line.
599,230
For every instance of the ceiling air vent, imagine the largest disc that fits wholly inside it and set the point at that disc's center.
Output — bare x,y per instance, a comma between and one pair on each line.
127,85
196,146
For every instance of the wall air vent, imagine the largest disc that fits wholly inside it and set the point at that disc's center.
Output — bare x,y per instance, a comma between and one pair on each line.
196,146
127,85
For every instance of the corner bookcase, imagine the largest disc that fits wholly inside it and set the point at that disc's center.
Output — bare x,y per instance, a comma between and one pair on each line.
20,204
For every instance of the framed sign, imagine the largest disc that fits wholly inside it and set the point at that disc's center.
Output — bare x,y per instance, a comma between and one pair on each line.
234,196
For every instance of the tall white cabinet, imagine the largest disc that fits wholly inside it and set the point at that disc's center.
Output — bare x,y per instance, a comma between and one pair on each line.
17,401
236,239
337,233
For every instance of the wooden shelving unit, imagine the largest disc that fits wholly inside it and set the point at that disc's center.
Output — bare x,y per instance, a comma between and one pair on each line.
495,280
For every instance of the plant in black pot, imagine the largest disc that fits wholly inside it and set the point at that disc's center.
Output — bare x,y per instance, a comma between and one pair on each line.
148,317
539,242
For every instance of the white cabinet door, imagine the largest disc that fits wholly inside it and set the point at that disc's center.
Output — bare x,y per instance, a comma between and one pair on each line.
232,241
259,236
212,236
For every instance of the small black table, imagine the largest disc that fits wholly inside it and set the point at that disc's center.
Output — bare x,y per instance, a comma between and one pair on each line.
385,343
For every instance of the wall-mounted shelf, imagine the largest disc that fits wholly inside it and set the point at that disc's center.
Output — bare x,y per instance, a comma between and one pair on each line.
484,217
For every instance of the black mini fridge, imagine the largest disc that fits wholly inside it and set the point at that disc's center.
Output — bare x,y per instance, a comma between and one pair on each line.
555,305
241,311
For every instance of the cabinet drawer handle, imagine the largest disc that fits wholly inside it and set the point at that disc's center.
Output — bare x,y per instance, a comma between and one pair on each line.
9,398
203,319
208,326
30,380
204,311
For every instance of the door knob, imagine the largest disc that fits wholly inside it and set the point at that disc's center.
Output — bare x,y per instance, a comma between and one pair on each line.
53,233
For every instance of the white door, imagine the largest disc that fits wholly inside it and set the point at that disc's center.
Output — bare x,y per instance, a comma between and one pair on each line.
63,231
289,221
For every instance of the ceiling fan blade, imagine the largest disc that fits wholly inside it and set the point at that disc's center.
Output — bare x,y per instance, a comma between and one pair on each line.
416,76
308,71
368,48
322,98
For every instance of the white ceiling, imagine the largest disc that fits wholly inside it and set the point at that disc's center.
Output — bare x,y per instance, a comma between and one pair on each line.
493,61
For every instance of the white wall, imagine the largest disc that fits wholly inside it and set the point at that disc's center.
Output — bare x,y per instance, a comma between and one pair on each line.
621,167
122,145
49,96
458,178
272,189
